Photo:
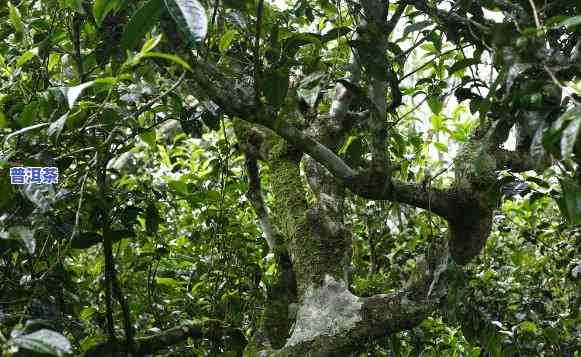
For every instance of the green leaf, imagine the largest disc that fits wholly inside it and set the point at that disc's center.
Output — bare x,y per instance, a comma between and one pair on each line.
141,23
56,127
28,114
86,240
460,65
73,93
87,313
26,56
150,138
167,282
528,326
572,200
2,120
76,5
475,352
15,18
212,121
168,57
275,86
43,341
300,39
416,27
569,136
151,219
101,8
150,44
441,147
353,150
435,105
226,41
25,236
180,187
190,16
550,22
24,130
118,234
310,87
570,22
335,33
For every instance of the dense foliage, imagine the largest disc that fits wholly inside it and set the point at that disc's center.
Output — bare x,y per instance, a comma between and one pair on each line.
240,177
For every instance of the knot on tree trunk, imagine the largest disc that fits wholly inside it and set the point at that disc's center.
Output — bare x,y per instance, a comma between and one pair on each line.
469,229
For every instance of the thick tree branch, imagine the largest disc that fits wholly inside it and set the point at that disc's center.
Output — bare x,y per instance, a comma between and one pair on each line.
518,161
333,322
237,101
211,329
373,25
476,32
256,198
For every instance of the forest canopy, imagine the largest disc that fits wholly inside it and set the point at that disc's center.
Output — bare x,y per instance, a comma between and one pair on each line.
290,178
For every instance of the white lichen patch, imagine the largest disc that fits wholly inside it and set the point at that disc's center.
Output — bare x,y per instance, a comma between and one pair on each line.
326,310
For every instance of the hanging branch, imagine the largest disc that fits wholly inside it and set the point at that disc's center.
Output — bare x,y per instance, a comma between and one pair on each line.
76,34
257,62
111,283
107,243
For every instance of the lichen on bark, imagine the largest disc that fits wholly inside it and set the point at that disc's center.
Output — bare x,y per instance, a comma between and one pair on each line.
327,309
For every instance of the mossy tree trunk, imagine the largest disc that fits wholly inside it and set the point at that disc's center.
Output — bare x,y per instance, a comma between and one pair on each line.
310,310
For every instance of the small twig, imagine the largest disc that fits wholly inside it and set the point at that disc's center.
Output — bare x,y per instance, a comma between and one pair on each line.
129,335
431,61
535,13
554,78
214,13
408,113
148,105
74,232
90,148
103,204
396,16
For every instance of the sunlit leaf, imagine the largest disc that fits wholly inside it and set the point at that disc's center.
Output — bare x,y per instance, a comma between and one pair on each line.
27,56
15,18
55,129
528,326
43,341
24,130
190,16
150,44
25,236
150,138
417,27
569,22
226,40
73,93
168,57
141,22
